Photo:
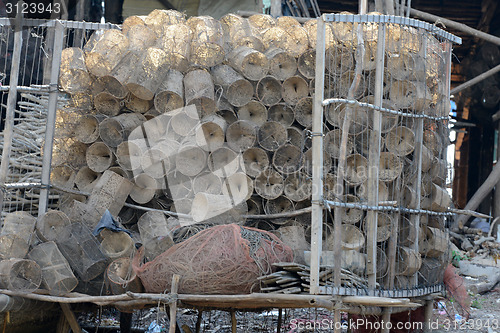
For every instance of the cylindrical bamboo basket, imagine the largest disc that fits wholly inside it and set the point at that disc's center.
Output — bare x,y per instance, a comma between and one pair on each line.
303,111
153,224
352,237
99,157
57,276
400,141
238,187
332,143
20,274
307,63
408,261
390,166
297,187
122,278
441,200
63,176
281,64
106,52
223,162
207,182
129,154
145,188
176,42
272,135
86,179
383,191
287,159
255,160
179,185
81,249
207,45
116,244
268,90
211,133
51,224
356,170
156,162
190,160
269,184
235,88
436,242
136,104
170,94
140,37
281,113
87,128
253,111
107,104
251,63
114,131
407,232
158,19
351,215
74,76
307,162
150,72
241,135
294,89
199,91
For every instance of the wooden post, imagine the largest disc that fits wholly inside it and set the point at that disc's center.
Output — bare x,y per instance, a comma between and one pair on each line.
363,7
429,306
496,200
51,117
12,98
198,321
317,158
386,317
373,163
280,320
173,305
70,318
233,322
276,8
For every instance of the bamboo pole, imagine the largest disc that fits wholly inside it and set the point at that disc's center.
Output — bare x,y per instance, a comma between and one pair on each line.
475,80
317,157
11,100
374,160
173,306
51,117
455,25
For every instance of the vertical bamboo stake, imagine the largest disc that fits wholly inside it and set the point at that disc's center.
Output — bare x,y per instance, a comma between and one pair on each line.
51,117
173,305
429,306
280,320
233,322
317,158
419,134
373,163
11,99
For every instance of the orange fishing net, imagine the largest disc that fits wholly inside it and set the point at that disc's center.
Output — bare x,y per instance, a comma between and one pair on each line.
224,259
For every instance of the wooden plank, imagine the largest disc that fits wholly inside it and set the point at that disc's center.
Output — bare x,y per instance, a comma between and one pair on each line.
276,8
70,318
317,159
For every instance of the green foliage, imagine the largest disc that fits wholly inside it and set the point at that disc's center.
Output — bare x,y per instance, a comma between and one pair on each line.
456,257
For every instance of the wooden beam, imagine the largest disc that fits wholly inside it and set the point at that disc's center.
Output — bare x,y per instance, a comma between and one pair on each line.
476,80
70,318
479,196
455,25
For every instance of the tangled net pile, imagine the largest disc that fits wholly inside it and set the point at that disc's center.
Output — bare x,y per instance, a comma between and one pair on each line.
224,259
